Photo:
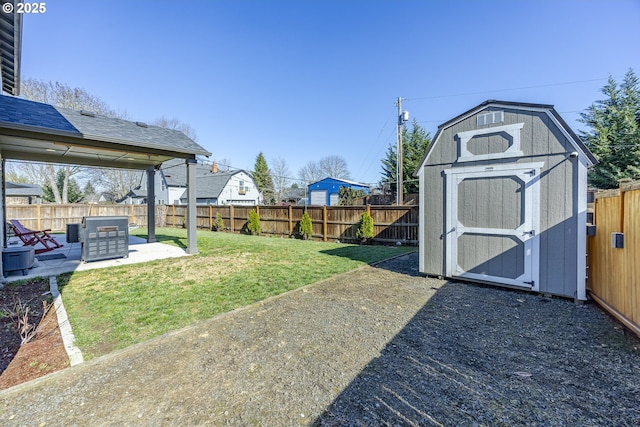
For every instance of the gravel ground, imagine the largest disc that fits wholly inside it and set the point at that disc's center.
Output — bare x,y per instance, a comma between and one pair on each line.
377,346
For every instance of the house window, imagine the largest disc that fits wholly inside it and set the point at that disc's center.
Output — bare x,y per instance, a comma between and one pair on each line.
241,188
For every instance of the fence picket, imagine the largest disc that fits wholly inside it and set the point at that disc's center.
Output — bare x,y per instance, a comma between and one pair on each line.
330,223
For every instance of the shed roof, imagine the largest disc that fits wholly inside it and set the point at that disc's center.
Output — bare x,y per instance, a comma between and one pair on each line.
14,189
346,181
547,108
35,131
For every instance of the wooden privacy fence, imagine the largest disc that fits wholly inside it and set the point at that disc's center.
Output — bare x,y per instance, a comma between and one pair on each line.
614,273
391,223
56,217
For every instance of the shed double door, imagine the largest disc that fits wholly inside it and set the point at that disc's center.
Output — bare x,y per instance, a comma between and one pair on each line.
492,223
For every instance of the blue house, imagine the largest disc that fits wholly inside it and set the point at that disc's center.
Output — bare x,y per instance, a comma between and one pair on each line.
325,191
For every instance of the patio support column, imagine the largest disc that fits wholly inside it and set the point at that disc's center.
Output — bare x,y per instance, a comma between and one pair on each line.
3,214
192,246
151,204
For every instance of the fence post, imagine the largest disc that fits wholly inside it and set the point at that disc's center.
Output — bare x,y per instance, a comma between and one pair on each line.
290,220
133,214
231,217
38,215
173,211
324,223
210,217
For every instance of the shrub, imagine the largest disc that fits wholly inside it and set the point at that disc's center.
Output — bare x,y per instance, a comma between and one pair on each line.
306,227
218,224
365,228
253,224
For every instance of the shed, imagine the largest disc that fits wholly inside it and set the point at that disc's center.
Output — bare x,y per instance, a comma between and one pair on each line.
503,200
326,191
18,193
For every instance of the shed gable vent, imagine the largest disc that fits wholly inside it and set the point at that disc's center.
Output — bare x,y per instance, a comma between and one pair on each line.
490,118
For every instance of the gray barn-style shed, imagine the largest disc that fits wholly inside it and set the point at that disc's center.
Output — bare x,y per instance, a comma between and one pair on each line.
503,200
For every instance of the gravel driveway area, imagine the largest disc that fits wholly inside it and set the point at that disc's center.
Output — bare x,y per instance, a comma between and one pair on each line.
378,346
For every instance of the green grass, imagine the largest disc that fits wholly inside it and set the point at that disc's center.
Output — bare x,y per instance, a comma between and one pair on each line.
115,307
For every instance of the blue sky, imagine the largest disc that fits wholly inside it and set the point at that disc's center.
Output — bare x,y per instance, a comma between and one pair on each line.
306,79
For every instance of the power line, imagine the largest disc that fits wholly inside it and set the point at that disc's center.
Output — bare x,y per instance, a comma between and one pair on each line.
505,90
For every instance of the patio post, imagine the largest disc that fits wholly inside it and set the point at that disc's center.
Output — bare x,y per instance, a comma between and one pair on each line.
3,213
151,205
192,246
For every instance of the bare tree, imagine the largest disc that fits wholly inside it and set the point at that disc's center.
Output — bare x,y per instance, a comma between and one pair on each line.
61,95
310,172
335,167
118,182
176,124
115,181
280,174
330,166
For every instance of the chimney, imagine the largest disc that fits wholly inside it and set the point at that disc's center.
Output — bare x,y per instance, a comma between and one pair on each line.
214,167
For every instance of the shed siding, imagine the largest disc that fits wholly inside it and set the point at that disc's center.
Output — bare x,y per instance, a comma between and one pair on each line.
541,140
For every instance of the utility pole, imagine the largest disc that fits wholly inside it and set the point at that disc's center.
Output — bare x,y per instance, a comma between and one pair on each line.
402,117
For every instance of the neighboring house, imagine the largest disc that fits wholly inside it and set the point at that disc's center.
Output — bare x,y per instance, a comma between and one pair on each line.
99,198
135,196
213,188
23,194
326,191
503,200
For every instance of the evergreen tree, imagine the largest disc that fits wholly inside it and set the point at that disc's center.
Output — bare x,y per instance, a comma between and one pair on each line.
614,135
89,189
74,194
263,179
414,145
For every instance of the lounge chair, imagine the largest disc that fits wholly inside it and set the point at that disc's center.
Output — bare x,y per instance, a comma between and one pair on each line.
32,238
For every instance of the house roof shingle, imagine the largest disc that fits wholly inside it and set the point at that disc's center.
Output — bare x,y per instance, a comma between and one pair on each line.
210,185
35,131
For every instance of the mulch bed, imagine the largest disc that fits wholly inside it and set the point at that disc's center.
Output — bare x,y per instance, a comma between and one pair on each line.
45,352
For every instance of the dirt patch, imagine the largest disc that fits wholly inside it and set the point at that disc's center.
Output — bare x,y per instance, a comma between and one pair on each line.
45,352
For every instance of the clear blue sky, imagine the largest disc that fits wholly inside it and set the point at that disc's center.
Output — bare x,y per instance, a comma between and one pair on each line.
306,79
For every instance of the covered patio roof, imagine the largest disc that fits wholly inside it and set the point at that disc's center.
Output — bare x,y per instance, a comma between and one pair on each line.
34,131
41,132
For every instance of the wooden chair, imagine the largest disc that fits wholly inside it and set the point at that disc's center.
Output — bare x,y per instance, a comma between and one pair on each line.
32,238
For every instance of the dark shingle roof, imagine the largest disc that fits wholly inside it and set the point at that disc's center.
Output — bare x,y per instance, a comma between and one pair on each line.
34,114
96,127
89,138
14,189
210,185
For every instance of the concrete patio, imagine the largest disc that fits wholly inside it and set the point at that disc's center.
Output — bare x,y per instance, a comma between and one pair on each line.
68,258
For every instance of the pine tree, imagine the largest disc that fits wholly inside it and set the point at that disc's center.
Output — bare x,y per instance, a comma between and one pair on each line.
264,181
414,145
614,135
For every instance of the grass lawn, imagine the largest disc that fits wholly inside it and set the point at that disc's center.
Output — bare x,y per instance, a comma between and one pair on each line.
115,307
